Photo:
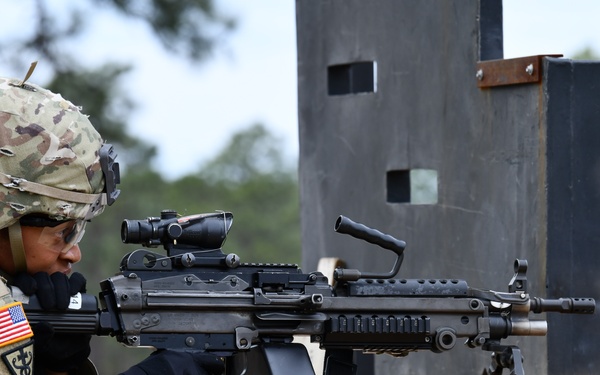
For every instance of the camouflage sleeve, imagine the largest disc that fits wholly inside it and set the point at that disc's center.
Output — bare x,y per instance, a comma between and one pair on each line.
16,345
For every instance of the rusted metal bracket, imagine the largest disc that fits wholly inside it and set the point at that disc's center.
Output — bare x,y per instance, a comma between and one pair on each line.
504,72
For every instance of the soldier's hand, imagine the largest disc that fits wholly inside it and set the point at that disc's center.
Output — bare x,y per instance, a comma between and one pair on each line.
53,291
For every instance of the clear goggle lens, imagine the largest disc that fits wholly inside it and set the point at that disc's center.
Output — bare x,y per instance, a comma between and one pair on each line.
63,237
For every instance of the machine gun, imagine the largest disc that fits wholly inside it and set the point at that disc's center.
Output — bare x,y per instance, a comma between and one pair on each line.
198,298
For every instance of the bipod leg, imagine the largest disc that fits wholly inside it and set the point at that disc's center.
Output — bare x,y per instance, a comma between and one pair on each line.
504,356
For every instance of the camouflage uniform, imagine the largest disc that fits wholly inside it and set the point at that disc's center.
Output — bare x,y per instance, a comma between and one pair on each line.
49,165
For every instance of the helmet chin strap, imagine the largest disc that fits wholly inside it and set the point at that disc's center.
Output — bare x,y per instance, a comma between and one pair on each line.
15,236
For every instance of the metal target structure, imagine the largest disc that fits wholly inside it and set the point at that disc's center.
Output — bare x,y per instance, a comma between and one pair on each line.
397,98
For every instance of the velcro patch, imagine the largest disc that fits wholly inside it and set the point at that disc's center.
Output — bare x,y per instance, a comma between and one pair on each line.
19,360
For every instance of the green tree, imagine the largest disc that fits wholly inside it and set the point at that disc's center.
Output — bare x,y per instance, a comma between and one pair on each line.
249,178
99,93
586,54
188,28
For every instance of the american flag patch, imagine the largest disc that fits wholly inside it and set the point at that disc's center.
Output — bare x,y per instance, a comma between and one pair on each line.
13,324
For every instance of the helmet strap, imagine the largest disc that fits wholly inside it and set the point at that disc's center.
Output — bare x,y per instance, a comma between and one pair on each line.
15,236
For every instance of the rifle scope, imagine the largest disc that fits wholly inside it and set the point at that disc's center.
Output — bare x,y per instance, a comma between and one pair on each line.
201,231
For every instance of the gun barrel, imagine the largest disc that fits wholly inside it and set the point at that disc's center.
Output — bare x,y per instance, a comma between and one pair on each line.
362,232
563,305
529,328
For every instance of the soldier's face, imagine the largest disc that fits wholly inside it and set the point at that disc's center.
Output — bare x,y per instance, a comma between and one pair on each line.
46,249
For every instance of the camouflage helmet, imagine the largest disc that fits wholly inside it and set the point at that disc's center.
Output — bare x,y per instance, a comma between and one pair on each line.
52,160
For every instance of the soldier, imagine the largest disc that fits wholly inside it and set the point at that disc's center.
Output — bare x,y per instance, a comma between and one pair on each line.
56,174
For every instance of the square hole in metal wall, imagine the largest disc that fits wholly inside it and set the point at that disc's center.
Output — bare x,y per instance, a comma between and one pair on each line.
353,78
414,186
398,186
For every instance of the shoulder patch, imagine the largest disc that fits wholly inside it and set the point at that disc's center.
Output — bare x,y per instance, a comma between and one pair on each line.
14,325
19,359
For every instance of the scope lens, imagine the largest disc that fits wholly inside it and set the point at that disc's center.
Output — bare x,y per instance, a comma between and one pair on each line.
130,231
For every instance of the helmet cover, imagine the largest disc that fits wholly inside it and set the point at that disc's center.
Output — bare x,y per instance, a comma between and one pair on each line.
45,139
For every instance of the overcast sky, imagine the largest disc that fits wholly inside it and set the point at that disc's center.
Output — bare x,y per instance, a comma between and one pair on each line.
191,111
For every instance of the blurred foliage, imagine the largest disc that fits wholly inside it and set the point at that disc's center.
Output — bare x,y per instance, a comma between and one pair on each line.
264,204
184,26
97,92
249,177
188,28
587,53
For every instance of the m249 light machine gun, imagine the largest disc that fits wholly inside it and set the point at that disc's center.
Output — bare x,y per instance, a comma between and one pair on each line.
198,298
